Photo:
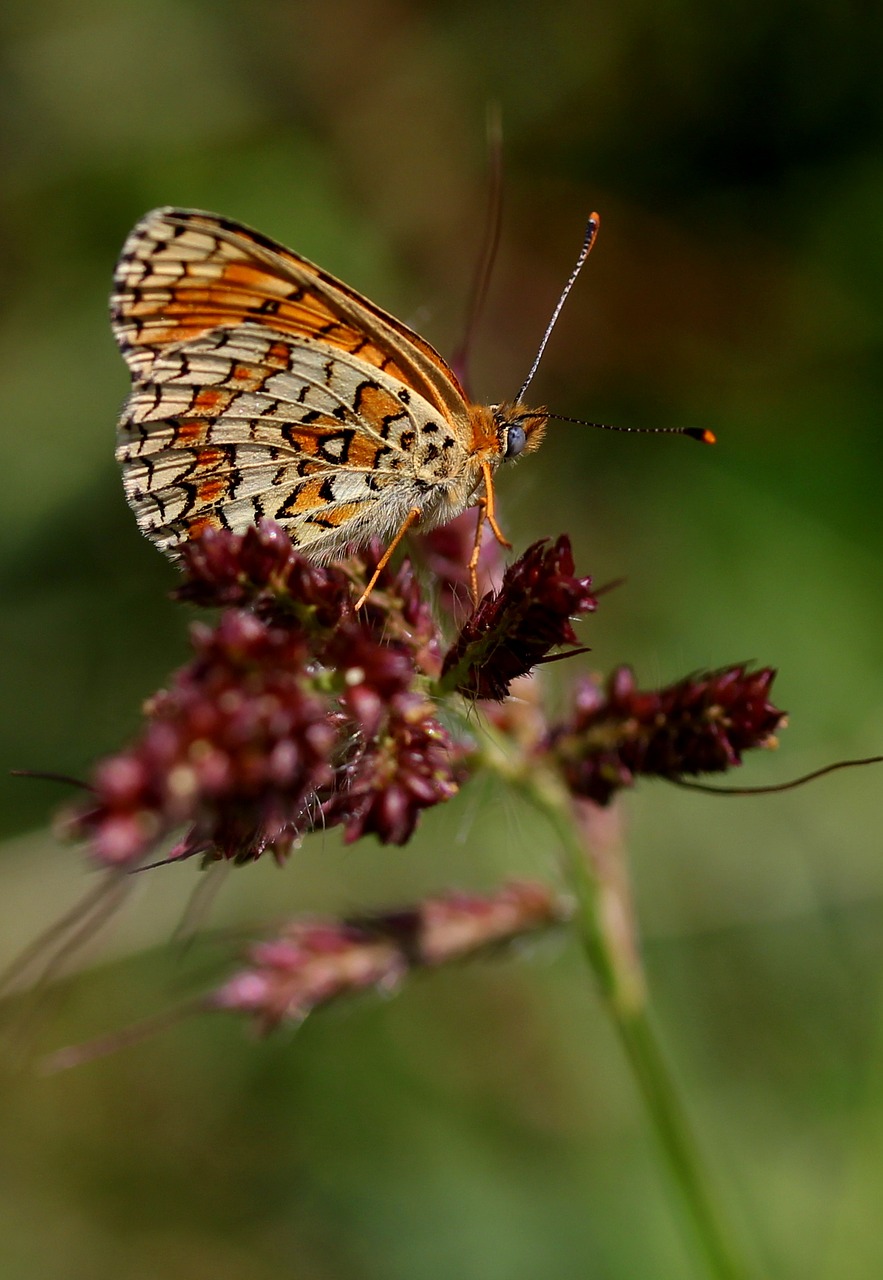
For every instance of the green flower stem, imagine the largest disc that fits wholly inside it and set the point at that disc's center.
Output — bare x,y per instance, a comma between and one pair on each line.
624,993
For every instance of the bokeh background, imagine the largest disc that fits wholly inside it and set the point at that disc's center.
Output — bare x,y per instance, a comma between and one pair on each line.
482,1124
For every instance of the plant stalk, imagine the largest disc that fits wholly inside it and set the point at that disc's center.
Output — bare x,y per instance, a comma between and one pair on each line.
621,980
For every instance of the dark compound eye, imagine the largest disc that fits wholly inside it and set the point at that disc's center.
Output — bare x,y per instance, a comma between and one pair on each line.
516,439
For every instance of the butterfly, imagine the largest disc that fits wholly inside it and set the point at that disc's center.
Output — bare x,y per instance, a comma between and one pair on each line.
263,386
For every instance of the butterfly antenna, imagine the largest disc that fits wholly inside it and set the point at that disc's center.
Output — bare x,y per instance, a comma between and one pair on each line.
591,232
695,433
490,243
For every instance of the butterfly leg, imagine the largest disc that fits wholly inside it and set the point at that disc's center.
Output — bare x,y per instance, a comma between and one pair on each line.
485,513
409,521
476,551
490,510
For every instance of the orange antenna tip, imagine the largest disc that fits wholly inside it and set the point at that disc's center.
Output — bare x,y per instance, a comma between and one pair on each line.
701,433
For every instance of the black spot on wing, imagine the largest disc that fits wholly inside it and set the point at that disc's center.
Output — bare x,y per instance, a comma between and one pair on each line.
387,422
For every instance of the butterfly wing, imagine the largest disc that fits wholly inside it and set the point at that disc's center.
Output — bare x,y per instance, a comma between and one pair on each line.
263,386
243,423
183,272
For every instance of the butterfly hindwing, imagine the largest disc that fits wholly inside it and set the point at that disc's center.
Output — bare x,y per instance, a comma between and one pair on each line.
245,422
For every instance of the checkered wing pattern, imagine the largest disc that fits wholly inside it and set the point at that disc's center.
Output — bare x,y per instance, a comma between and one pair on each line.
262,386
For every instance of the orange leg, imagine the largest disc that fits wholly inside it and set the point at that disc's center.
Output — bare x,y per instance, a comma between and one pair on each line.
491,512
476,551
409,521
485,512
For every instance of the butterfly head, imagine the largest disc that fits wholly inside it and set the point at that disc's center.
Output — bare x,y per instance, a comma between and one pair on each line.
519,430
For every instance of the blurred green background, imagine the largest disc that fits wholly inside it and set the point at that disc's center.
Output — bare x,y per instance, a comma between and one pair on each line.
482,1124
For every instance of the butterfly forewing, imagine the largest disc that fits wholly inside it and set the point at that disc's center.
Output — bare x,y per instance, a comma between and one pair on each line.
183,272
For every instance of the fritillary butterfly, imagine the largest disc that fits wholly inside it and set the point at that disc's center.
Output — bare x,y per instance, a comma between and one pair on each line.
263,386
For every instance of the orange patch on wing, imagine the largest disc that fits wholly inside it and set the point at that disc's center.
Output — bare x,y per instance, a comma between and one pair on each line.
306,316
338,516
310,435
150,304
376,403
210,457
308,497
198,525
211,399
190,431
363,452
243,275
192,324
193,308
211,489
279,355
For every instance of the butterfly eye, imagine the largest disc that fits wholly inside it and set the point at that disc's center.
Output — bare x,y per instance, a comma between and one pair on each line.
516,439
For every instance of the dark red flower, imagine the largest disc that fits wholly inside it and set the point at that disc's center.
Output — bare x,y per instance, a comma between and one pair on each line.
234,749
315,961
699,725
261,569
514,629
296,707
409,764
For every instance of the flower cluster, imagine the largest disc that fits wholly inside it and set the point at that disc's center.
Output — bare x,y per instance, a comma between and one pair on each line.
312,962
262,571
235,748
295,709
700,725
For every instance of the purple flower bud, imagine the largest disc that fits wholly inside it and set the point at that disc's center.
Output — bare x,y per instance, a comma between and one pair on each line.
409,765
315,961
699,725
235,747
260,568
514,629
